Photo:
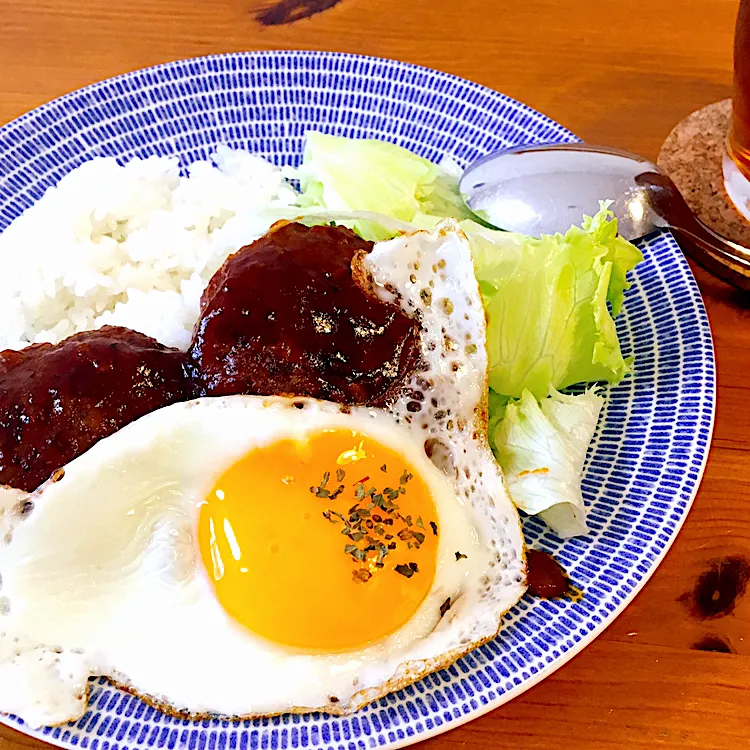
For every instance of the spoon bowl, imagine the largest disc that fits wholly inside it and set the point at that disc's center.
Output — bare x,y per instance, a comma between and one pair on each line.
546,189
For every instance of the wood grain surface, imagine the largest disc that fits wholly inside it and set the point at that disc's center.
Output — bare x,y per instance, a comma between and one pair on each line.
670,672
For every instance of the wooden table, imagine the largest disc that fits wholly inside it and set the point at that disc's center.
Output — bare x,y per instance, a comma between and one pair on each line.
620,72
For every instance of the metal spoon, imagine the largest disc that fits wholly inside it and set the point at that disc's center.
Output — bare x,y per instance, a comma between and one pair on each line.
546,189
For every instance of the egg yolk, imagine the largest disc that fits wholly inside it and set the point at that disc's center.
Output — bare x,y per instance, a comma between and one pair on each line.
325,544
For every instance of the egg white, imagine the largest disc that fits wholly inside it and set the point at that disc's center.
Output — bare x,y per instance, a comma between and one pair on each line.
105,570
103,575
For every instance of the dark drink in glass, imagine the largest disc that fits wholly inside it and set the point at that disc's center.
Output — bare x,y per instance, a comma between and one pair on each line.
739,134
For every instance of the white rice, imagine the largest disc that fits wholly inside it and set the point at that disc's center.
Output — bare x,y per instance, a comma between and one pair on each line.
131,245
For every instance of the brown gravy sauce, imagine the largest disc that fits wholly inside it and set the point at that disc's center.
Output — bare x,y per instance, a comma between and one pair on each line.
56,401
545,577
284,316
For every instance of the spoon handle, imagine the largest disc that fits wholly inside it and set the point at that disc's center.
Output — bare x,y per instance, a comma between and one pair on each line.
727,260
708,253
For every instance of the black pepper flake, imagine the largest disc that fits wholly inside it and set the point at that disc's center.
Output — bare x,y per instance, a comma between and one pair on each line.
320,490
445,606
460,556
405,570
368,540
331,513
362,575
356,553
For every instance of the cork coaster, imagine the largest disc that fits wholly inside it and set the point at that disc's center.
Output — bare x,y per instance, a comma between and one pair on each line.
693,157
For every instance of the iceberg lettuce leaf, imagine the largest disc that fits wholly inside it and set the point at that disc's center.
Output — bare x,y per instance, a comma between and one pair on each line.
541,447
548,304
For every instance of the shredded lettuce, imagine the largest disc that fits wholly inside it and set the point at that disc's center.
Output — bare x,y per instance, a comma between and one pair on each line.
441,197
549,326
383,224
546,301
541,447
344,174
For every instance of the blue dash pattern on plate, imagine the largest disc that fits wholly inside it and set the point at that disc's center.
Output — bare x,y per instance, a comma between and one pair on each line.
643,467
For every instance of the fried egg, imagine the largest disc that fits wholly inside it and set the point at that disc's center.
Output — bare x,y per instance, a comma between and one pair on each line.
251,555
